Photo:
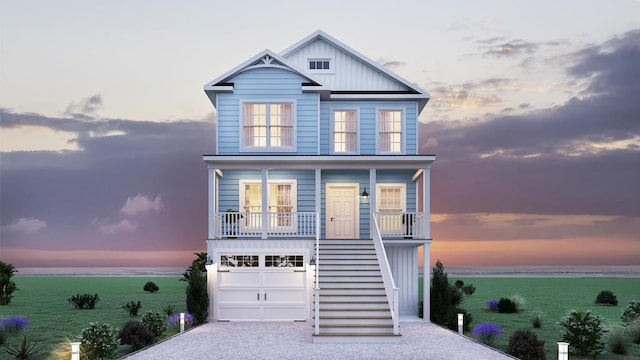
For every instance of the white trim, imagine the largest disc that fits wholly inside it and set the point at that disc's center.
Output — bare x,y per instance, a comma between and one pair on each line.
332,111
356,205
268,147
403,136
326,162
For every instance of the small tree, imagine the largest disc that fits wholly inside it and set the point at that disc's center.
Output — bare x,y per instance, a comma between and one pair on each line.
583,331
7,286
197,294
446,298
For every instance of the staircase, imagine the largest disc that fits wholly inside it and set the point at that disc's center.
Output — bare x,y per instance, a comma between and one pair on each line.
353,303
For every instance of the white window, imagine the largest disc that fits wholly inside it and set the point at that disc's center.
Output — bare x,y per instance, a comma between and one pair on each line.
282,200
267,126
390,131
391,204
320,64
344,131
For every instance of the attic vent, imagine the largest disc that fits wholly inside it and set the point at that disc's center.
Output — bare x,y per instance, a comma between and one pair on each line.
267,60
319,64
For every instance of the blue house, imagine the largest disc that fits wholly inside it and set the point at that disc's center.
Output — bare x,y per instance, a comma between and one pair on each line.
318,198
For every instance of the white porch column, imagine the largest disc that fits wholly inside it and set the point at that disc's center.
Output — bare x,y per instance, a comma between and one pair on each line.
265,203
212,185
372,192
426,184
318,193
426,281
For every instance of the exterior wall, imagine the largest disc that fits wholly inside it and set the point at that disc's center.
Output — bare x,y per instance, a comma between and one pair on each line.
348,73
404,267
267,84
367,129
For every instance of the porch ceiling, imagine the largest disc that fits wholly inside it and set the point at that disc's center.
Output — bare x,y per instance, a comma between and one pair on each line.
353,162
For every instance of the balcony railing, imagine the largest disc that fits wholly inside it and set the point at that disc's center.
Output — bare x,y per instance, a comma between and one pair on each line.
280,224
401,224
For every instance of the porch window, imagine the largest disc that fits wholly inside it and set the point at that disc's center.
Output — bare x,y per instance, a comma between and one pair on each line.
282,198
345,131
390,131
391,204
268,125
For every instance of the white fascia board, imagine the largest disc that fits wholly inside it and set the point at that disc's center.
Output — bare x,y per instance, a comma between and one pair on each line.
337,43
309,162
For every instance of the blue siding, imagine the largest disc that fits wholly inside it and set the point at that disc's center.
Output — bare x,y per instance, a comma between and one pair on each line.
266,84
368,123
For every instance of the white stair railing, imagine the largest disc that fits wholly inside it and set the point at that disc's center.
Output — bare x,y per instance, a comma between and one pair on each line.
317,276
389,285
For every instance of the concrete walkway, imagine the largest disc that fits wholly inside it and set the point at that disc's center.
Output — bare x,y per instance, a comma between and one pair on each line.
288,340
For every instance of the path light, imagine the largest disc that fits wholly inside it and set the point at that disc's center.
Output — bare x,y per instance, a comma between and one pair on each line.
460,323
75,351
181,322
563,350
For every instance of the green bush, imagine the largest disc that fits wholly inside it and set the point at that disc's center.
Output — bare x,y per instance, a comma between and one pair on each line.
151,287
633,329
536,320
525,345
196,291
169,310
84,301
506,305
25,349
136,334
132,307
98,341
7,286
156,323
446,299
631,312
606,297
617,341
583,331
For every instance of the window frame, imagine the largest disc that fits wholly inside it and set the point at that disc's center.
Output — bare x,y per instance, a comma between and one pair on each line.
242,147
294,200
403,194
330,70
403,134
332,150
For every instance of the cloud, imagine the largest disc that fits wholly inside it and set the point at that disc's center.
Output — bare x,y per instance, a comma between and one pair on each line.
510,48
392,64
85,108
124,226
141,204
25,225
469,95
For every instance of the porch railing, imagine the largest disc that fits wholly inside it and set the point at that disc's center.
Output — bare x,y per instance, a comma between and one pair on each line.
401,224
280,224
387,278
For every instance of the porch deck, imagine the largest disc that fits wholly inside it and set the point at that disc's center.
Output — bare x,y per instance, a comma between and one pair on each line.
293,340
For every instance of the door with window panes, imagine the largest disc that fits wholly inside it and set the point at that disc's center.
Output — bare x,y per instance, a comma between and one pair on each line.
281,197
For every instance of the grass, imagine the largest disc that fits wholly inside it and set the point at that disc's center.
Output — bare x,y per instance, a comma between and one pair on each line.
53,320
551,298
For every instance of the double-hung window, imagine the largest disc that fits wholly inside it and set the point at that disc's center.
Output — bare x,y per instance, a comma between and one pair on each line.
390,131
268,125
344,132
391,204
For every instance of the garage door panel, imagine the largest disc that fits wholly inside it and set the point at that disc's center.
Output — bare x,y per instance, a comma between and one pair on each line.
239,312
285,296
239,279
284,278
237,295
280,313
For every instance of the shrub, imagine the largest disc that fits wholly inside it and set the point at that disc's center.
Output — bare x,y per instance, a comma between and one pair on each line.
633,329
13,325
98,341
606,297
631,312
617,341
174,321
536,320
132,307
525,345
487,333
84,301
492,305
468,289
7,286
169,310
156,323
506,305
583,331
196,291
25,349
136,334
150,286
445,299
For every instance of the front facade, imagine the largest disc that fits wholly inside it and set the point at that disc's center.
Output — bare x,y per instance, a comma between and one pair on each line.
316,155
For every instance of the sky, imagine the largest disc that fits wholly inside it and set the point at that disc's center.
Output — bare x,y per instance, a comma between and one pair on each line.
534,117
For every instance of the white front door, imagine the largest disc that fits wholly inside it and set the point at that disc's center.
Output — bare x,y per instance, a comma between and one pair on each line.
342,211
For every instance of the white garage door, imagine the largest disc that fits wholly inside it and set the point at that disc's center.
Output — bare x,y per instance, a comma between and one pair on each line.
262,287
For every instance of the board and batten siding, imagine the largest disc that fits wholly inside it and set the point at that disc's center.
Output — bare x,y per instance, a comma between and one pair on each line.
367,121
348,72
267,84
404,267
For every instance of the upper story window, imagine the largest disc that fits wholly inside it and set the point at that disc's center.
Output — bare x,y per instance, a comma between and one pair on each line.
268,126
344,131
320,64
390,131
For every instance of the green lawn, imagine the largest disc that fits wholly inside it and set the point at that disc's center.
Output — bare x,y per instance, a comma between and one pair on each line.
43,300
552,298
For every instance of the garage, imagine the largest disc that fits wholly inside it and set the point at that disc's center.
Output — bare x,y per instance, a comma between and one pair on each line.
261,287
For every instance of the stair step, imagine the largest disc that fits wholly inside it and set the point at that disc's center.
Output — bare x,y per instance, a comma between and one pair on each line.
353,292
351,273
356,329
359,251
350,278
353,313
349,262
351,285
353,306
338,321
360,299
352,267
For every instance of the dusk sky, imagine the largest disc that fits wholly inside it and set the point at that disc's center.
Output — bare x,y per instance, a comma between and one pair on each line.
534,118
